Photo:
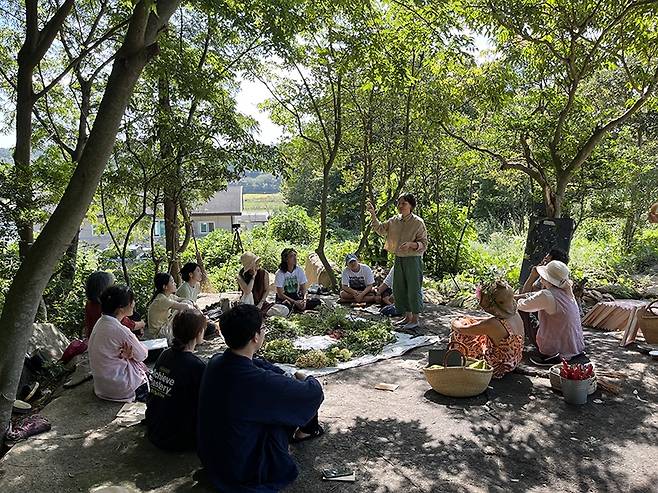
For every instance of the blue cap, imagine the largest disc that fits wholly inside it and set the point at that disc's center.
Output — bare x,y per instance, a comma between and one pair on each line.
350,258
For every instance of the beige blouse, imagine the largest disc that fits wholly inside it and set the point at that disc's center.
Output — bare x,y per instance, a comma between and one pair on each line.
398,230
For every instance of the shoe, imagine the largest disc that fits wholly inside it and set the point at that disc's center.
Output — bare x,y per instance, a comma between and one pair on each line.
410,326
21,407
541,360
400,322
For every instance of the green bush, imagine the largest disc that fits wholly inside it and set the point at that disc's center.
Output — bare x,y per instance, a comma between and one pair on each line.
293,225
503,253
444,228
644,253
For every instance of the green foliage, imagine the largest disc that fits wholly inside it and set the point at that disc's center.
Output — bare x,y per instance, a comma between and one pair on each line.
280,351
293,225
451,234
644,254
369,340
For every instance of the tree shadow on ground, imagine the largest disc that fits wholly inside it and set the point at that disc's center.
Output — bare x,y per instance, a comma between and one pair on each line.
498,458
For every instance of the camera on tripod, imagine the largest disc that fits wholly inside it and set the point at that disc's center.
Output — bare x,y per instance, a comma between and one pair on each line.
236,246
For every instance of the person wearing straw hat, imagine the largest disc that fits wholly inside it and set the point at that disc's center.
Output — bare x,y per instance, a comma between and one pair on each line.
497,339
560,333
253,280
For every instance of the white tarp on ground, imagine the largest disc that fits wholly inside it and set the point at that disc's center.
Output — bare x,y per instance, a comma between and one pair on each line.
403,344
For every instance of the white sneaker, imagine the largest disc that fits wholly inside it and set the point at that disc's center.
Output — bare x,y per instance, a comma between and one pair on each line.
400,322
410,325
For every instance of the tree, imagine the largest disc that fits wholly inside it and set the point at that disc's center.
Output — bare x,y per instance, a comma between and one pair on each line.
535,105
22,299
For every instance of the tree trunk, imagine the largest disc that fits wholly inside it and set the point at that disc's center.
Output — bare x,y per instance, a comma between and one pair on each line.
22,299
172,236
22,159
323,222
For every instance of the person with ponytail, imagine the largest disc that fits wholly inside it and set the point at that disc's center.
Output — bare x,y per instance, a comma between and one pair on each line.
163,305
171,412
116,357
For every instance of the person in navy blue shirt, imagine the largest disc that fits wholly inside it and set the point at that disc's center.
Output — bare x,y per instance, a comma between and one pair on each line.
171,409
249,411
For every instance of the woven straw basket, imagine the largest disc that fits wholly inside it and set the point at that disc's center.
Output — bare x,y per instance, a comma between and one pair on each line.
458,381
647,319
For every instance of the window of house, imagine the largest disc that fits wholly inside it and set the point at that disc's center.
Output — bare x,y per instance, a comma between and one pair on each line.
206,227
159,229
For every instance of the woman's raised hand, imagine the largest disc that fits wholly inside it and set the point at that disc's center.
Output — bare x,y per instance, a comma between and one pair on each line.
371,208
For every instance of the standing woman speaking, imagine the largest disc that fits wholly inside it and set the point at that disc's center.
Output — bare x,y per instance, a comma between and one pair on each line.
406,238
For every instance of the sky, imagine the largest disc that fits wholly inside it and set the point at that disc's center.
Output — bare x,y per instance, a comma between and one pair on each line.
251,94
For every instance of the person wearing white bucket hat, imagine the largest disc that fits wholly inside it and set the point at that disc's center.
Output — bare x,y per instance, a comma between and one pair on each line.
560,333
253,281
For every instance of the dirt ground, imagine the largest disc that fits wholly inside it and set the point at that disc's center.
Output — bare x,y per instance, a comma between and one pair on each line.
517,436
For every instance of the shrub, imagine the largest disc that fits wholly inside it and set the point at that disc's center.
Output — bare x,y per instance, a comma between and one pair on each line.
293,225
644,253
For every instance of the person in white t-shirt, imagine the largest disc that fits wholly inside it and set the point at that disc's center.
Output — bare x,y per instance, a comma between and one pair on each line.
358,282
290,282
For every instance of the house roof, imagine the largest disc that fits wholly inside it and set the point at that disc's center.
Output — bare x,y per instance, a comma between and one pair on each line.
224,203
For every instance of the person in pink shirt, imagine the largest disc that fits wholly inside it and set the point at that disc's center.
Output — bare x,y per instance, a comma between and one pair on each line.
115,354
560,333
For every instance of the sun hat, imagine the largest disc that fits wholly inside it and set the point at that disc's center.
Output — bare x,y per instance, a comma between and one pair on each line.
555,272
497,299
350,257
248,259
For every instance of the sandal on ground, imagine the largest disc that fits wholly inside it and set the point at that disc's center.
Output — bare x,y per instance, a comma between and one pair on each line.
318,432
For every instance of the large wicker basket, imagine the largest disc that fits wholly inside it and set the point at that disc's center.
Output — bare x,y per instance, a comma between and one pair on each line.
459,381
647,320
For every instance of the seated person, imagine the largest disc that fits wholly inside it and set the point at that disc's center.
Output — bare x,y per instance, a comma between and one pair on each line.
358,282
249,411
97,282
189,290
115,355
497,339
253,281
171,412
532,283
385,289
191,286
290,282
560,333
163,305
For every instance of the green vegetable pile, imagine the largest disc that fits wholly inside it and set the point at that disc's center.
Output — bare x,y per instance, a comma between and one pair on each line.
353,338
280,351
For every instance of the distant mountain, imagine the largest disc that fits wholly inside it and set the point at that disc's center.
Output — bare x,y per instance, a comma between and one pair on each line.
255,182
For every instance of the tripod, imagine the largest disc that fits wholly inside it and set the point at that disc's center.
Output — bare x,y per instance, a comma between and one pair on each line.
236,246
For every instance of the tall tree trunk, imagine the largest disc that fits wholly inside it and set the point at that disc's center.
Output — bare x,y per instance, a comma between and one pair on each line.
323,222
172,236
22,299
22,159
